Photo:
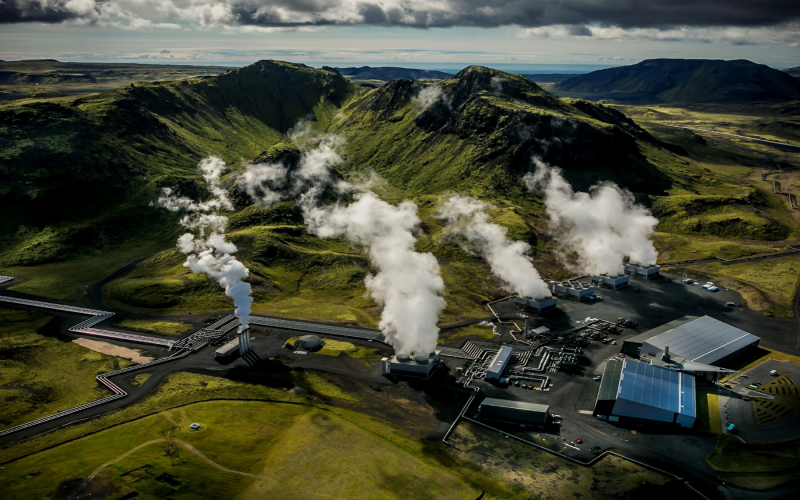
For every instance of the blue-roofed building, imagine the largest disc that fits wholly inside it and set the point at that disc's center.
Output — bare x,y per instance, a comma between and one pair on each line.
633,390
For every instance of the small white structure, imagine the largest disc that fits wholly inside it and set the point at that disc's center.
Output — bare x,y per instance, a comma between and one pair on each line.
309,342
194,426
612,282
227,349
411,366
499,363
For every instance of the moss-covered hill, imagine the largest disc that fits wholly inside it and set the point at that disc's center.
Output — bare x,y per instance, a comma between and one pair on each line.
80,175
481,132
78,172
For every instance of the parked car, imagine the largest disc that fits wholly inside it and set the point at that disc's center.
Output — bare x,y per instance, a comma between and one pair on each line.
774,373
556,416
579,440
758,382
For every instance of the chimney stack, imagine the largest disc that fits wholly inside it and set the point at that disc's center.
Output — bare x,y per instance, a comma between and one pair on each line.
665,356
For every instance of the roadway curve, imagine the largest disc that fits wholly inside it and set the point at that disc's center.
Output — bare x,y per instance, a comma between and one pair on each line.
792,147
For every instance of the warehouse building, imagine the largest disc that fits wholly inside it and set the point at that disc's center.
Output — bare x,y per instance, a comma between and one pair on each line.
407,366
647,272
692,339
612,282
499,363
503,410
573,290
633,391
538,306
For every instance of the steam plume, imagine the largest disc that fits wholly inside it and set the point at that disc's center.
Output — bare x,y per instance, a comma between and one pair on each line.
408,283
601,226
509,261
208,252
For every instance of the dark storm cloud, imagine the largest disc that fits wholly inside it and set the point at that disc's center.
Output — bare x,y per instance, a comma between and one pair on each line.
422,13
40,11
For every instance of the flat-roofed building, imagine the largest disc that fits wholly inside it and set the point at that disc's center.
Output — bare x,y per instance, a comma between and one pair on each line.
499,363
504,410
698,340
647,272
538,306
637,391
612,282
407,366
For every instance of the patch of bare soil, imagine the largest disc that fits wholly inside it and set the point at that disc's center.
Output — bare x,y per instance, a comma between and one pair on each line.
134,355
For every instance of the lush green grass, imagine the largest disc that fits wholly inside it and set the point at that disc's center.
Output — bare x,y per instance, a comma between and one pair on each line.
778,278
140,379
672,247
44,374
732,455
708,416
543,475
155,326
291,448
472,331
332,347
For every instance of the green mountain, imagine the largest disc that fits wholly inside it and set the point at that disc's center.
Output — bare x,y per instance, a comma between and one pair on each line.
482,131
685,81
79,176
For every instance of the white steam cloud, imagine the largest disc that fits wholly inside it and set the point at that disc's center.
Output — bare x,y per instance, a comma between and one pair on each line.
466,217
601,227
208,252
408,283
428,95
269,183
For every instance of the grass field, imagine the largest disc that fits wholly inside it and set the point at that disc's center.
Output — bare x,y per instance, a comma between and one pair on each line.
332,347
708,417
41,374
156,326
544,475
732,455
347,461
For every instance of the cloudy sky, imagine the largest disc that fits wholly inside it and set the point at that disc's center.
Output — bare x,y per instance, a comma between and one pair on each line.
447,34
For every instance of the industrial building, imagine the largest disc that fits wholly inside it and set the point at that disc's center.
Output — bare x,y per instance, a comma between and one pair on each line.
647,272
499,363
538,306
612,282
696,343
504,410
407,366
573,290
635,391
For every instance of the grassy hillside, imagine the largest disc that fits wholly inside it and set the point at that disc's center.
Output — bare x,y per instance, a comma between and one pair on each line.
24,79
685,81
78,175
114,151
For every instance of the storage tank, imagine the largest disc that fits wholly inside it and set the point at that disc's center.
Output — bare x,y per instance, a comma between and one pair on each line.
309,342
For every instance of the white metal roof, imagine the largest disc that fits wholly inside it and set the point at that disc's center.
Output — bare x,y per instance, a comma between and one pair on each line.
704,340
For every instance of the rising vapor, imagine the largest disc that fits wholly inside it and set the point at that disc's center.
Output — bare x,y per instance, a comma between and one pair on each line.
408,283
509,260
208,252
601,227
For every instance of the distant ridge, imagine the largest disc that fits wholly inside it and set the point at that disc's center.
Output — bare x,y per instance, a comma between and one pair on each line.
388,73
685,81
795,72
